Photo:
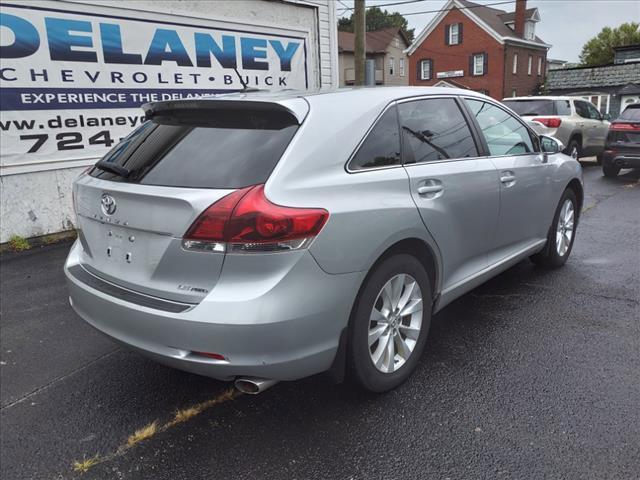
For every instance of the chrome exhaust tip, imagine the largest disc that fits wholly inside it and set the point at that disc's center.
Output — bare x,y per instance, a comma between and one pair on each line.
253,385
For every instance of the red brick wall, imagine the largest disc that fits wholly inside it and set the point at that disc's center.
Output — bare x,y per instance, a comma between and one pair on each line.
456,57
523,83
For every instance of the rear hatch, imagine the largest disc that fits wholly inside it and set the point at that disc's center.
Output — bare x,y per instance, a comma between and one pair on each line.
545,113
136,204
624,132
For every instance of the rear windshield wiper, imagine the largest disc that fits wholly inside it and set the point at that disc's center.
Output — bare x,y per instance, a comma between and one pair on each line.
113,168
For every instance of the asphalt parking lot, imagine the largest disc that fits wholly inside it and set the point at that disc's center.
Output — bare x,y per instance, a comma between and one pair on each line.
535,374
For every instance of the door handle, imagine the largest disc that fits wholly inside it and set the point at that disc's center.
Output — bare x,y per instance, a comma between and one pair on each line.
507,178
426,189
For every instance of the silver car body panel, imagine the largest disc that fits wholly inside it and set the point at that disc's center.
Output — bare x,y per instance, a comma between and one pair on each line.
280,315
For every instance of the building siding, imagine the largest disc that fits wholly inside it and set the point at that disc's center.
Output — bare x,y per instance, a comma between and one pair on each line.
522,82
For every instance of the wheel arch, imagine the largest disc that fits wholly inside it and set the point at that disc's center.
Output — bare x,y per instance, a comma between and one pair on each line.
413,246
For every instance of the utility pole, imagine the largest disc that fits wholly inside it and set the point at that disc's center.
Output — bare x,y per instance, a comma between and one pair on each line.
359,29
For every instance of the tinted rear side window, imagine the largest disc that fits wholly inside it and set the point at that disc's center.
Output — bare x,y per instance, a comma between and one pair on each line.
531,107
563,107
435,129
208,149
631,113
381,148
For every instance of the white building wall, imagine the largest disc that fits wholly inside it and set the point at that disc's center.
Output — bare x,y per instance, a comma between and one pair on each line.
36,200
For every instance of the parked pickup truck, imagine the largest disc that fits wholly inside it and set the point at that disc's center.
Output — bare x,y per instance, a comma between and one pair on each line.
577,123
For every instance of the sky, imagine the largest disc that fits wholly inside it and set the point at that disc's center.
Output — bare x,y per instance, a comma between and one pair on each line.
565,24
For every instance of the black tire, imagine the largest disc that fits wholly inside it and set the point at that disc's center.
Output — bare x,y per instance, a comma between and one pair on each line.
574,144
361,366
610,171
549,256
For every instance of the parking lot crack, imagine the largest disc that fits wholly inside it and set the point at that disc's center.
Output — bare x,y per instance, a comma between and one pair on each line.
57,380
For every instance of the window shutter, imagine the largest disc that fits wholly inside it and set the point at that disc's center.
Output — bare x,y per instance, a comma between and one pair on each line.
459,33
430,69
485,68
471,69
446,34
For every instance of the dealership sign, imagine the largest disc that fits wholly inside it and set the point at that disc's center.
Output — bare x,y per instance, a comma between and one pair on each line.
72,81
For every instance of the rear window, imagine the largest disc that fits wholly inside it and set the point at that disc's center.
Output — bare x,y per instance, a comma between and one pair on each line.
631,113
531,107
202,149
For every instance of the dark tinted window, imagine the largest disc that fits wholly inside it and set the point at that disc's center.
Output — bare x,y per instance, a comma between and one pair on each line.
504,134
203,149
435,129
381,148
631,113
563,107
531,107
582,109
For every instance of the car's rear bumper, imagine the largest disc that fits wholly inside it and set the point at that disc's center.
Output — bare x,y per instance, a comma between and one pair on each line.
285,327
622,159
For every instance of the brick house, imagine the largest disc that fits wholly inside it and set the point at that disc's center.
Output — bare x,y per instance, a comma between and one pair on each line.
385,47
480,48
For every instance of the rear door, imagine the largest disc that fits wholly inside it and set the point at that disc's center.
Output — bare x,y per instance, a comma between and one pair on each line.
523,179
137,203
454,188
594,130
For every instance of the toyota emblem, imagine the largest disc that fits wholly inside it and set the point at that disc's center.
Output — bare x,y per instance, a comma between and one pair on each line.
108,204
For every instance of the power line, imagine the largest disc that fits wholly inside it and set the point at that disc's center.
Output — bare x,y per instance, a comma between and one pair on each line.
458,8
447,9
386,4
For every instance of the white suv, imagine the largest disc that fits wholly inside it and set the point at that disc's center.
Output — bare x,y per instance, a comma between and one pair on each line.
574,121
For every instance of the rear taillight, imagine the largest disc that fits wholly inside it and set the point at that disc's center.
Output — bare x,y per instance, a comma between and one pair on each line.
625,127
246,221
549,122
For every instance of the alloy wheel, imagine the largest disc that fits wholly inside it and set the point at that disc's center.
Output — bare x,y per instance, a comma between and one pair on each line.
564,231
395,323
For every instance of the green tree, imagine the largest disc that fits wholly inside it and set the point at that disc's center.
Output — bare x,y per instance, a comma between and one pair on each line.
599,50
378,19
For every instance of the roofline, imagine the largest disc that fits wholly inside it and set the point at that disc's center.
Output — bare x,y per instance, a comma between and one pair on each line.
482,24
598,66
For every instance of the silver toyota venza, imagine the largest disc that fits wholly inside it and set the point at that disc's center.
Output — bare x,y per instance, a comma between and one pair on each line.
263,237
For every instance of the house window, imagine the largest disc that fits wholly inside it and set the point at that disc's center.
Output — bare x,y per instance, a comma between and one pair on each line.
529,31
530,65
514,93
478,64
539,66
396,42
402,67
454,34
425,70
515,63
392,63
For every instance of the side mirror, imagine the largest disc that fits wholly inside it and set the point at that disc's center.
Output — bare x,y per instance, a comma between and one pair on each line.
606,116
550,144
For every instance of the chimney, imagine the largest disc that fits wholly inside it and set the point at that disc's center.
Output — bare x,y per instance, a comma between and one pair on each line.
521,6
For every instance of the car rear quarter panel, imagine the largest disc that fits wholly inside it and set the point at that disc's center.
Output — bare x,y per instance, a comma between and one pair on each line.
369,210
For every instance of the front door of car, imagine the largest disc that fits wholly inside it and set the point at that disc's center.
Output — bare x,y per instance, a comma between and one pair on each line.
523,179
452,186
